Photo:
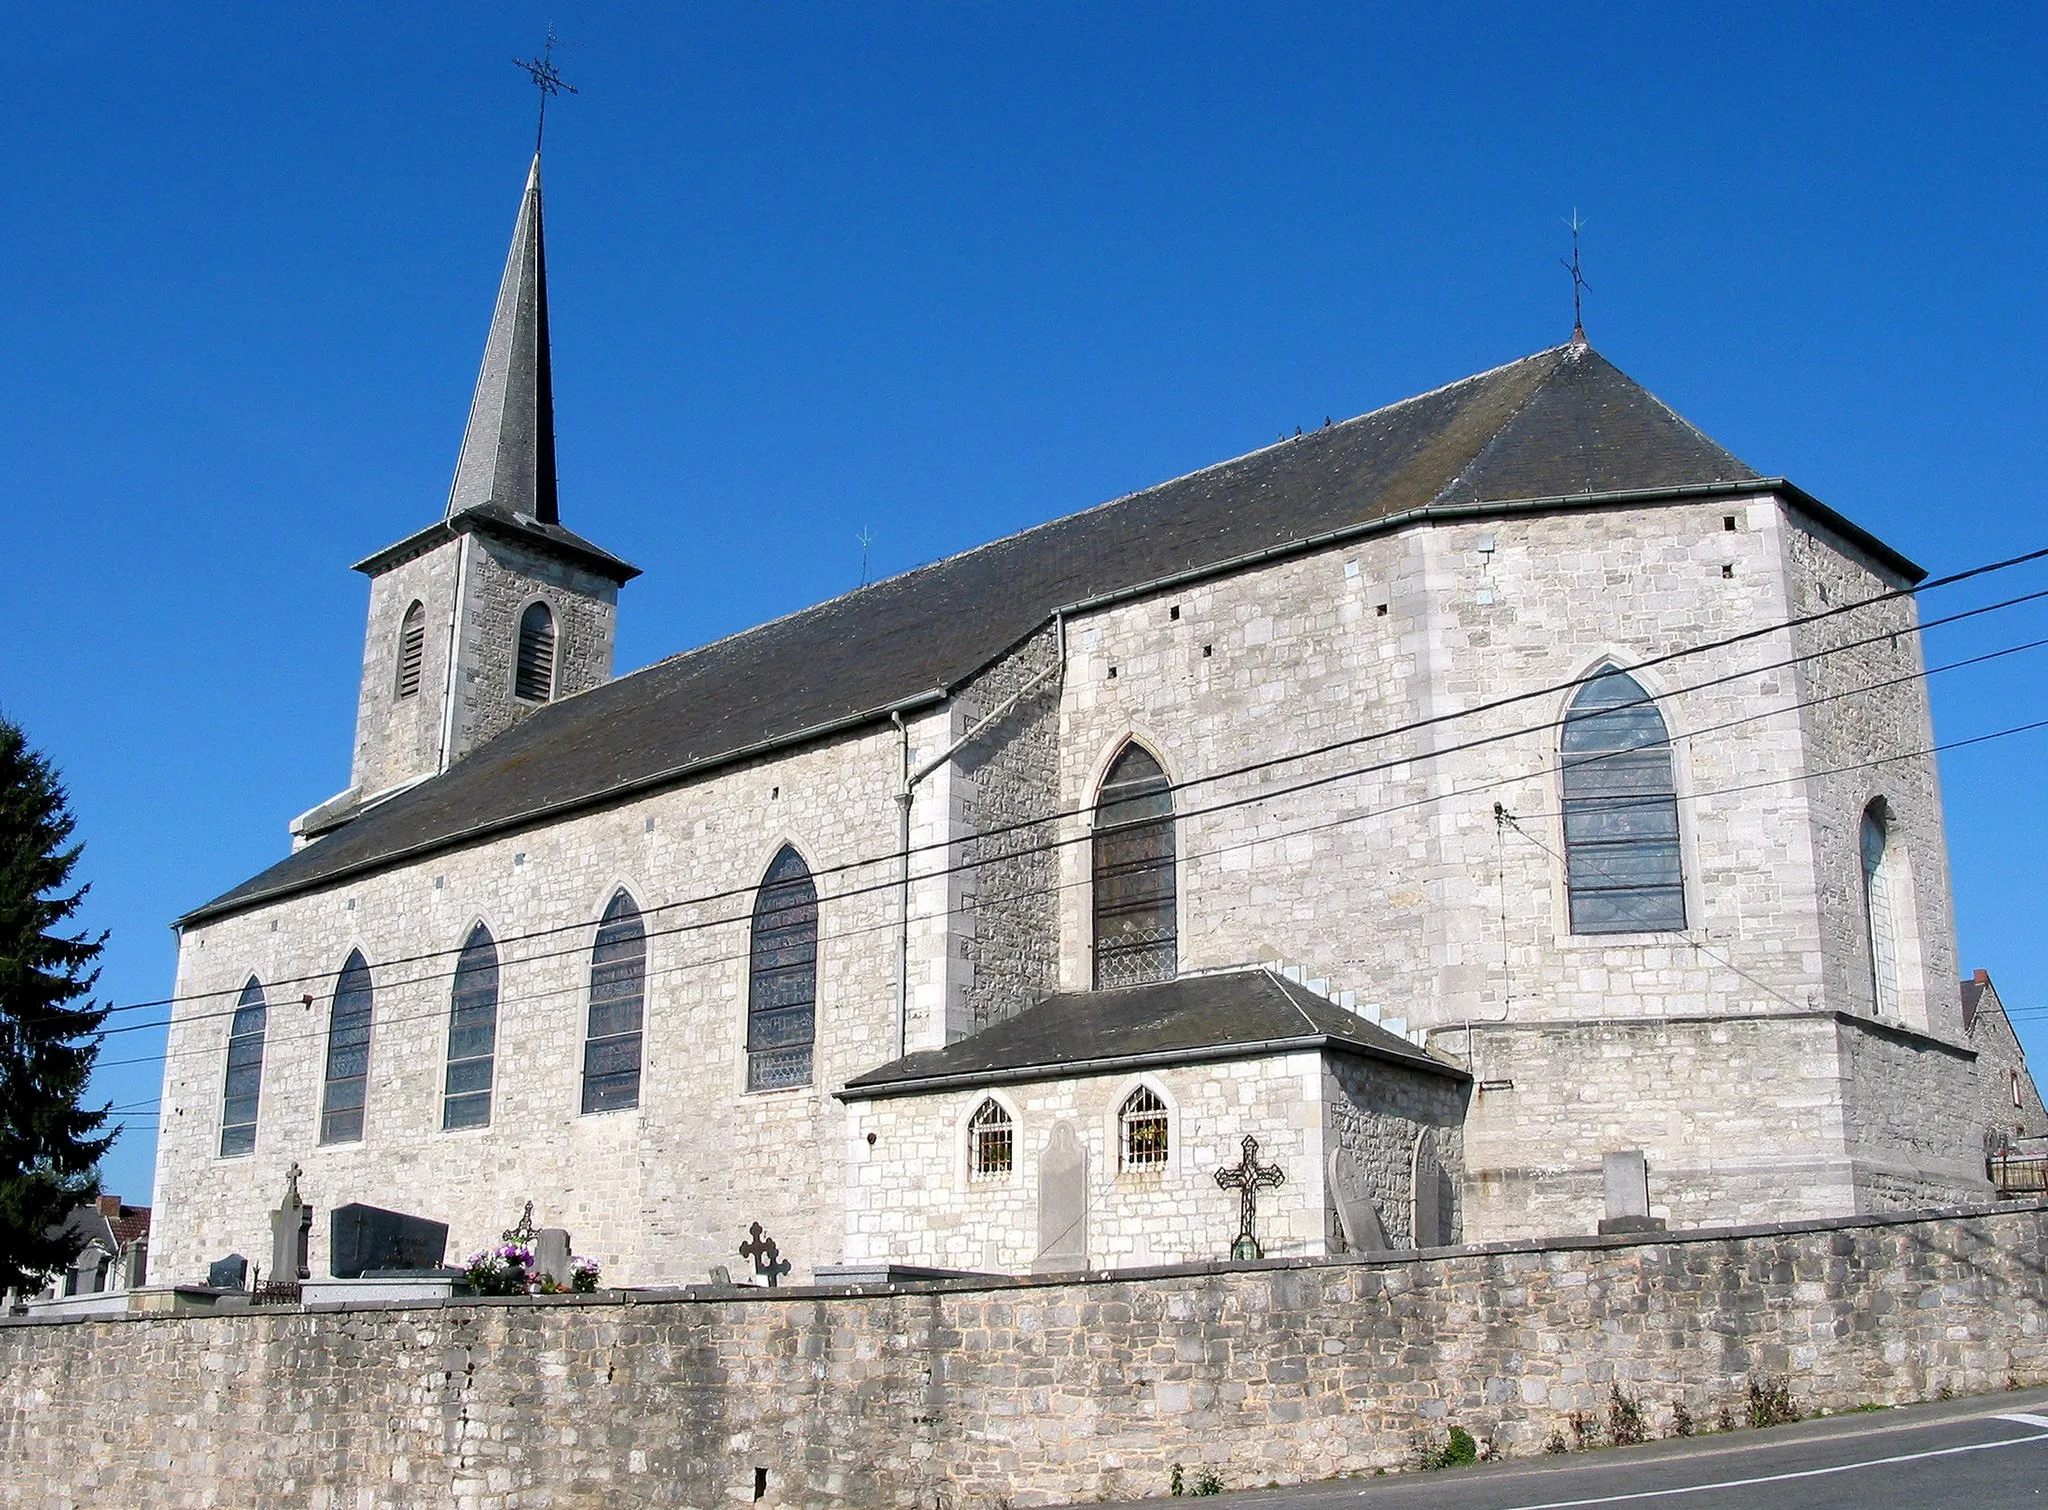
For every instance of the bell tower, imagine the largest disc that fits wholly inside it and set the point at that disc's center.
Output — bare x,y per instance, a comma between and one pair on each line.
495,610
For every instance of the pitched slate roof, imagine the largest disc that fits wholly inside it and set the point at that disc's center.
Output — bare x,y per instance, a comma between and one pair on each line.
1193,1020
1564,423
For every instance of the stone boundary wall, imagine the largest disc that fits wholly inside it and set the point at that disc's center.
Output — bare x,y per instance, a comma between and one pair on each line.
1007,1392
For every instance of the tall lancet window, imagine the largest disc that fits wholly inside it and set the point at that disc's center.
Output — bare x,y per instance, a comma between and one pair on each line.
618,995
1621,848
472,1033
534,676
244,1084
782,976
1879,918
412,649
1135,929
348,1054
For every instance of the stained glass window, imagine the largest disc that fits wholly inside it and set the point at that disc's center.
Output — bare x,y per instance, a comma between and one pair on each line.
244,1082
782,976
472,1033
1879,919
1135,937
348,1054
618,994
1622,858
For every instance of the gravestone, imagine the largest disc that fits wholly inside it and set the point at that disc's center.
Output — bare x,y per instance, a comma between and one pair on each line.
1358,1219
135,1264
1062,1204
1626,1178
229,1273
551,1255
1428,1196
369,1239
291,1234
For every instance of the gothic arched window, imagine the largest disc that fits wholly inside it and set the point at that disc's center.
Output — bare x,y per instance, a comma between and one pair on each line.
1142,1129
618,993
348,1054
782,976
534,676
412,648
1134,885
991,1142
472,1033
1880,922
1620,811
244,1083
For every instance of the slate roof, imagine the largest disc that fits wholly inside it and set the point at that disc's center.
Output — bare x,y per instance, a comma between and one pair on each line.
1562,425
1193,1020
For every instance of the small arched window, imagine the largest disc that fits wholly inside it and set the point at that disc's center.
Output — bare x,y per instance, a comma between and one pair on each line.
618,994
1135,930
991,1142
412,648
348,1054
534,676
472,1034
244,1084
1142,1129
1880,922
782,976
1621,848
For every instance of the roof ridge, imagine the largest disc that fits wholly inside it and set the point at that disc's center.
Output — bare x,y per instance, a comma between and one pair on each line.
1283,983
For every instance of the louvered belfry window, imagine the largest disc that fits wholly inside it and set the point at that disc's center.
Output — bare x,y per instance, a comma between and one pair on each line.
348,1054
618,994
244,1084
472,1034
782,976
534,678
1622,860
1135,929
1879,918
412,649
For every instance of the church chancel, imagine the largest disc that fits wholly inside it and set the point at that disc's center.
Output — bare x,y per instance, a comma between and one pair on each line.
1425,809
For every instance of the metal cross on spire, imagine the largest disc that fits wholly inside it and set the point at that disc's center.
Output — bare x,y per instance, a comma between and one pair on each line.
1579,283
1247,1177
548,80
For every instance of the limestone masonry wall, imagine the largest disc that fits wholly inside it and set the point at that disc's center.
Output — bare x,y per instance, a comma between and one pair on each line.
1023,1392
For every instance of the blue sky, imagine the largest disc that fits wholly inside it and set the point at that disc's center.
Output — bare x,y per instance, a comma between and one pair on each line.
938,272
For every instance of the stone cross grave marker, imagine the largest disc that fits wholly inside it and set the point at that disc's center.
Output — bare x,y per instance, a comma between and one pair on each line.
291,1233
1248,1177
767,1260
1062,1204
1358,1219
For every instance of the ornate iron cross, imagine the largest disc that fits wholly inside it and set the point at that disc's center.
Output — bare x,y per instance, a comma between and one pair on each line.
767,1260
523,1230
547,79
1247,1177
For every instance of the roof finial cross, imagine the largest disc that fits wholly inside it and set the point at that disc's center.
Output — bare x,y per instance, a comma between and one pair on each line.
1579,283
548,80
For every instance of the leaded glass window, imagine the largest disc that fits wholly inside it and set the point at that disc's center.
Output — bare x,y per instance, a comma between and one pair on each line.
991,1142
244,1083
534,676
782,976
1622,860
1879,919
1142,1129
1135,939
348,1054
472,1034
412,649
618,994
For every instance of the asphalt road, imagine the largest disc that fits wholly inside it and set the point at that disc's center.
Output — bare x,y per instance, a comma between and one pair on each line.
1984,1452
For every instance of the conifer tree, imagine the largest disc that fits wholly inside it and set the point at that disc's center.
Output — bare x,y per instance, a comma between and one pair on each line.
50,1145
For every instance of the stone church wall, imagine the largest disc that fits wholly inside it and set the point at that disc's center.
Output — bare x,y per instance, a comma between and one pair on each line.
1377,1112
397,741
503,579
1008,1392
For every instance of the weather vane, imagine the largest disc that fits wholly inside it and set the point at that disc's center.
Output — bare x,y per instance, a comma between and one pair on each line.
548,80
1579,283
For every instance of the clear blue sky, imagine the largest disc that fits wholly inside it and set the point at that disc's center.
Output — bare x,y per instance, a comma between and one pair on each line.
938,272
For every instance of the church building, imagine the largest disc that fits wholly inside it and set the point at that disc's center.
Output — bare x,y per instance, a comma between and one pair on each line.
1371,841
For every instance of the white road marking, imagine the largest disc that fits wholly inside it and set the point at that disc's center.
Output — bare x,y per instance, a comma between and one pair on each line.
2021,1418
1806,1473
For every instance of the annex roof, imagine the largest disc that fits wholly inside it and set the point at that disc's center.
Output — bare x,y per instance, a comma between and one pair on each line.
1562,428
1194,1019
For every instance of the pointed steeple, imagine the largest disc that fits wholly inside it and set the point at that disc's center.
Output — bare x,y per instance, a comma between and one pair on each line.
508,451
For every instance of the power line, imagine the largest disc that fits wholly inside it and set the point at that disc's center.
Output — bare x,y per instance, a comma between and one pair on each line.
898,856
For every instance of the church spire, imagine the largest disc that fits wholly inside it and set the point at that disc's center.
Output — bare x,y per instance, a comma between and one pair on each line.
508,451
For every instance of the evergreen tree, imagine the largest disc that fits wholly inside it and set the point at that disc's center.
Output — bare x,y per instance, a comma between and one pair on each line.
50,1146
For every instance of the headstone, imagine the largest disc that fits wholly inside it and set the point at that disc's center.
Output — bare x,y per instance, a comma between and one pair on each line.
135,1264
1358,1219
1626,1176
551,1255
291,1234
369,1239
721,1276
1062,1204
1428,1196
229,1273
